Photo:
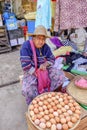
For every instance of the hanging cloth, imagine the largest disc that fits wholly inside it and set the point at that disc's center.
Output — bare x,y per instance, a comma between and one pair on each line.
43,13
70,14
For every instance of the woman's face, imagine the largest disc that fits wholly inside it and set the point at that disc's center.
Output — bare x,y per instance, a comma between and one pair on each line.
39,41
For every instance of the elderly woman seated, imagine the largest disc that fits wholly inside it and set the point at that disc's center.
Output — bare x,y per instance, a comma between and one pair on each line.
45,63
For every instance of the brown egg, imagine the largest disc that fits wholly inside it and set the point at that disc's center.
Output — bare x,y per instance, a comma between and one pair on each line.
36,105
37,99
70,104
55,108
57,119
31,113
69,97
77,116
70,124
41,98
63,120
72,109
49,106
31,107
61,116
52,104
42,120
41,113
63,109
65,127
49,95
52,120
59,106
51,110
66,101
46,117
53,127
56,101
57,97
53,98
51,116
39,116
44,107
75,104
68,118
34,102
45,96
78,112
46,112
40,103
48,124
73,119
59,111
45,103
62,103
53,94
33,118
78,108
71,101
49,100
36,110
65,114
40,109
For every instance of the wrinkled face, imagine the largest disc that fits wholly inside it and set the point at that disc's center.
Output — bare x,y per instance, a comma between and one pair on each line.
39,41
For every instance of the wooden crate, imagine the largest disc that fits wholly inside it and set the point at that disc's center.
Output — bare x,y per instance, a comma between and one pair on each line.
4,42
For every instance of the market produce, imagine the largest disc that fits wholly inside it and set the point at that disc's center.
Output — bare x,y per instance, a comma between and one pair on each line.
54,111
81,82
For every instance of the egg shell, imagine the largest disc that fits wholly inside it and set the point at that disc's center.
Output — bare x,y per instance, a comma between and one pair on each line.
40,109
41,98
46,117
55,113
51,110
52,120
31,107
45,103
59,111
48,124
42,125
57,119
49,106
39,116
40,103
59,126
78,112
46,112
34,102
62,103
31,113
65,127
53,127
44,107
55,108
42,120
73,119
36,110
69,97
72,109
37,121
70,124
41,113
49,95
49,100
52,104
51,116
63,109
37,99
63,120
68,118
70,104
66,101
59,106
65,114
36,105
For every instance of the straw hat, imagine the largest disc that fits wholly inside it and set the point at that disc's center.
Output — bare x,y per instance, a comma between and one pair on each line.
40,30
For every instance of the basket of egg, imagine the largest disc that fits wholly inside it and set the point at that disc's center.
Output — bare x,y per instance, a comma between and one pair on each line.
54,111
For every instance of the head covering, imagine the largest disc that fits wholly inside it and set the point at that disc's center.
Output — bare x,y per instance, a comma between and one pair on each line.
40,30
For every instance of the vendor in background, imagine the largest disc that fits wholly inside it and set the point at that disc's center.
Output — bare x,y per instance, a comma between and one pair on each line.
45,60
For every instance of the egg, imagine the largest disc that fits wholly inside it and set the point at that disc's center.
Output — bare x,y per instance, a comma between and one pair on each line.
53,127
44,107
49,95
40,109
66,107
52,120
34,102
65,127
60,100
42,125
70,124
45,103
73,119
46,117
63,120
69,97
51,110
37,121
68,118
33,118
78,112
63,109
39,116
31,107
62,103
72,109
59,126
57,119
59,106
49,100
56,101
55,108
59,111
77,116
55,113
36,110
48,124
49,106
40,103
66,101
42,120
51,116
31,113
70,104
70,112
41,98
46,112
36,105
52,104
41,113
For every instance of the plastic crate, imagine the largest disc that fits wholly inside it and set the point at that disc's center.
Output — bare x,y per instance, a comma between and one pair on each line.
31,26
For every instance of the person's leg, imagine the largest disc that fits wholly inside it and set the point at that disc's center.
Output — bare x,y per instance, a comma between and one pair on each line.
57,79
29,88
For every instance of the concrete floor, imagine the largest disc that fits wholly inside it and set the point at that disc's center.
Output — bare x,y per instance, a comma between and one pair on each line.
12,103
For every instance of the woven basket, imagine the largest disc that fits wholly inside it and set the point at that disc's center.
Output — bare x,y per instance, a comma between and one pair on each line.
80,95
30,122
